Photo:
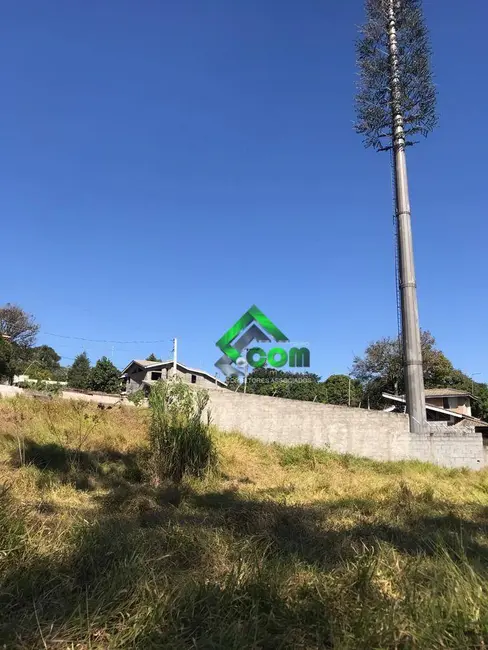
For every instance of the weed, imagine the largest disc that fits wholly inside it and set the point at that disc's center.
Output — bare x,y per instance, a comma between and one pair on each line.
180,441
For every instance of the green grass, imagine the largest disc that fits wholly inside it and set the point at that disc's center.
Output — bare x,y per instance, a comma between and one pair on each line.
282,548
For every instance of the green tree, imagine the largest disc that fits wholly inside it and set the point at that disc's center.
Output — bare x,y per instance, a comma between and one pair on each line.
152,357
5,358
79,373
105,377
60,374
342,390
480,403
47,358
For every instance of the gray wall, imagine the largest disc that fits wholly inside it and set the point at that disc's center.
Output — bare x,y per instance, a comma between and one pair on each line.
372,434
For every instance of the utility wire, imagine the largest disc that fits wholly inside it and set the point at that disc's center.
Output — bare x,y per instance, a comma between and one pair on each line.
80,338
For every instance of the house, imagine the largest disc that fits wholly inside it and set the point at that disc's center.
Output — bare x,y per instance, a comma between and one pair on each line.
141,373
448,405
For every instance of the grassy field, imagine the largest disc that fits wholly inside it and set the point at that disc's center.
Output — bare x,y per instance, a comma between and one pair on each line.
281,548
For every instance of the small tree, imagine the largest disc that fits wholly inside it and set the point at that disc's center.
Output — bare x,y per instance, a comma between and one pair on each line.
152,357
79,373
105,377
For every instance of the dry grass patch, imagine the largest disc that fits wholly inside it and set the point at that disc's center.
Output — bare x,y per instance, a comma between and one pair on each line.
282,548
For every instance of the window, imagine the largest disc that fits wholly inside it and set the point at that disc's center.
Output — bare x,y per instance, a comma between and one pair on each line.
193,379
155,376
446,402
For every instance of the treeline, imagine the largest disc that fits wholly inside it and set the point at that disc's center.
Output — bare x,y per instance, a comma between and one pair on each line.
307,386
104,376
20,356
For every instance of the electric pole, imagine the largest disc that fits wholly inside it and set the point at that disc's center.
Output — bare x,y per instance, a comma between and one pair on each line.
175,357
396,99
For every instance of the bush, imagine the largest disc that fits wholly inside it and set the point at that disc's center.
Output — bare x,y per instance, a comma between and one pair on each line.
180,440
137,397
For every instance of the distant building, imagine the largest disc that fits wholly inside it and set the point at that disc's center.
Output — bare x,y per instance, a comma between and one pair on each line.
448,405
142,373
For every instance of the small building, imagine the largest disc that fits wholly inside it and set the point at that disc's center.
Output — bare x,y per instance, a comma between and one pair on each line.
141,373
450,399
449,405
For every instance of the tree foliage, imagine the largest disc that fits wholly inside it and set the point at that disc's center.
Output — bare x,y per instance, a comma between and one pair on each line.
343,390
79,373
281,383
5,358
46,357
105,377
415,96
20,326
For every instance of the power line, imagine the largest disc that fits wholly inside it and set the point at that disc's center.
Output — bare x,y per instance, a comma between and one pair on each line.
80,338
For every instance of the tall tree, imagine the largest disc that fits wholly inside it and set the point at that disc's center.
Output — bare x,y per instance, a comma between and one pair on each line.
396,100
79,373
105,377
20,326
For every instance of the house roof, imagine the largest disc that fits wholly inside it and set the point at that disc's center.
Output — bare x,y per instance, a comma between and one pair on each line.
144,362
156,365
446,392
438,409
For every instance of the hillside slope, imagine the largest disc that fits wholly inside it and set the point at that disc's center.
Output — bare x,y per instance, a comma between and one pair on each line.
283,548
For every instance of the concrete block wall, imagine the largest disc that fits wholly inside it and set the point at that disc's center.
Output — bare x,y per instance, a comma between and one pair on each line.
371,434
449,447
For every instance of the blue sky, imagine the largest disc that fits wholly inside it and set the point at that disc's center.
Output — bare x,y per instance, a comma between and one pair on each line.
165,165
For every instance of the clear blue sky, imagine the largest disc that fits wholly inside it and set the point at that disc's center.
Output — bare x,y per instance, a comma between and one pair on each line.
164,165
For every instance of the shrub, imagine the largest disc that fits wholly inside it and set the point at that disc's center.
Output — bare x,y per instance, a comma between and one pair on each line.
137,397
180,440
